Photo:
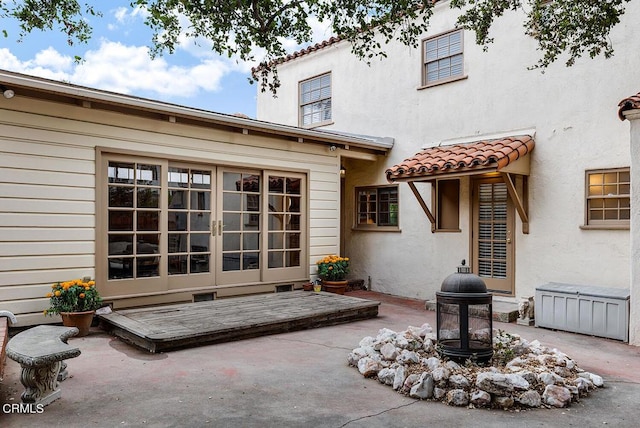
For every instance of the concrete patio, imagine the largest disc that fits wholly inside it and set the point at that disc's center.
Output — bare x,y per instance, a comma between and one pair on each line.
301,379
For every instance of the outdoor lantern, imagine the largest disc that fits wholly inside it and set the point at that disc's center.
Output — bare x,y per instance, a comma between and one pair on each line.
464,317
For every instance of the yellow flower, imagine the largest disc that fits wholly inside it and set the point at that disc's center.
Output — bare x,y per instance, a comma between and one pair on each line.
57,293
48,295
44,312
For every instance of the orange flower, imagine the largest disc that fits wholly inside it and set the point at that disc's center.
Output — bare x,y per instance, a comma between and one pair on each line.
48,295
81,295
57,293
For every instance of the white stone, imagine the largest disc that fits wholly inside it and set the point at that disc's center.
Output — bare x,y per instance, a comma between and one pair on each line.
452,365
423,389
410,381
480,398
549,378
432,363
530,398
458,381
368,367
457,397
399,378
440,374
366,341
386,376
408,357
556,396
389,351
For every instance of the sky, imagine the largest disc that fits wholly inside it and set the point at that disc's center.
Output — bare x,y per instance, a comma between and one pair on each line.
117,59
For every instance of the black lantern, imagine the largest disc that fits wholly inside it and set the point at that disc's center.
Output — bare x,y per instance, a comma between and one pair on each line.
464,317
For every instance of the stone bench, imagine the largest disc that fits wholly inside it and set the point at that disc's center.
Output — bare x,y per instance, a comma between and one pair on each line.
41,351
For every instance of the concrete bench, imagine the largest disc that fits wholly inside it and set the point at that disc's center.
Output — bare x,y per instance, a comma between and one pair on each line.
41,351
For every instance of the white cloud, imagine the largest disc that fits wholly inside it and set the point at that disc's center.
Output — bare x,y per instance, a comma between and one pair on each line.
124,69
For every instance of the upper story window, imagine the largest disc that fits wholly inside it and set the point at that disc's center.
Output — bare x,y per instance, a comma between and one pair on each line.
377,207
443,59
315,101
608,198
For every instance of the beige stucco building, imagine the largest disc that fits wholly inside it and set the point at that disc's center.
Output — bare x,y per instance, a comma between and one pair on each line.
160,203
524,174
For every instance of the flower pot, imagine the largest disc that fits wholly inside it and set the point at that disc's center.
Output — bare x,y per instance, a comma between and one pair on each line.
337,287
307,286
81,320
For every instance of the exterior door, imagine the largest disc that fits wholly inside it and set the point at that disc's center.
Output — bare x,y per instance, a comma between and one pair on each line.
191,204
492,235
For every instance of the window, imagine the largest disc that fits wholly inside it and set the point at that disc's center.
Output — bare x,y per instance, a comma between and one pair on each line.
447,201
608,197
377,207
315,101
443,60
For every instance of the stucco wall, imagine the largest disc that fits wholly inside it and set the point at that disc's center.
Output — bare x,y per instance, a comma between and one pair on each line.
573,112
634,321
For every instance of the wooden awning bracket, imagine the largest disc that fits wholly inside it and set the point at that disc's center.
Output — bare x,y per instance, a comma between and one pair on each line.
423,204
519,199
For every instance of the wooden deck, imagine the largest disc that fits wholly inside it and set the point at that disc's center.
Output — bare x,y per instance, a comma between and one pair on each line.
164,328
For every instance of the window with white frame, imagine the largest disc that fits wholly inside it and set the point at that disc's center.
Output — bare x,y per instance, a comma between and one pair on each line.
608,197
377,207
443,58
315,101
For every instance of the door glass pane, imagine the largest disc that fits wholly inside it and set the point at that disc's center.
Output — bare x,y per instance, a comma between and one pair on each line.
241,218
190,205
135,201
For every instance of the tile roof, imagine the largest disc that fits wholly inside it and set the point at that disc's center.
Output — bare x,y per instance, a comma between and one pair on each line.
631,103
476,156
302,52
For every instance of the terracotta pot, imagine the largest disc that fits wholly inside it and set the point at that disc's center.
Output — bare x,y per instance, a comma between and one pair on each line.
81,320
307,286
337,287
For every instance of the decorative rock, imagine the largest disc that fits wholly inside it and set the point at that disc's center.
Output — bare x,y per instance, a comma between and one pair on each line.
549,378
457,397
503,402
440,374
410,381
368,367
458,381
583,385
498,383
423,389
432,363
480,398
399,378
530,398
408,357
556,396
439,393
537,376
389,352
387,376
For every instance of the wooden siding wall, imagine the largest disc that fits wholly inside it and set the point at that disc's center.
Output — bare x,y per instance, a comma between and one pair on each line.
47,187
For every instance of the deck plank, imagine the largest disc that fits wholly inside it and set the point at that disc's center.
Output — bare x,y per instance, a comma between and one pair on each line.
193,324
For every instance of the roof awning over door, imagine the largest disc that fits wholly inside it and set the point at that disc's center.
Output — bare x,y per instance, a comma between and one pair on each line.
506,156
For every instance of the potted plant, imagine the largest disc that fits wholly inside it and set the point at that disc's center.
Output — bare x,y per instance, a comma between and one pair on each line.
333,270
76,302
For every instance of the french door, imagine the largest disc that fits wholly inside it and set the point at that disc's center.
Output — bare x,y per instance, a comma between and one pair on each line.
172,225
493,225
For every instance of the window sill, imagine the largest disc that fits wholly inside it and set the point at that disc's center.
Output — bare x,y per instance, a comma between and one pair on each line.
376,229
605,227
317,125
442,82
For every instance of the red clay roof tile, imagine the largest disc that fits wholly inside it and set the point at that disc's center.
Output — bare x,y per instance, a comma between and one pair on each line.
630,103
478,155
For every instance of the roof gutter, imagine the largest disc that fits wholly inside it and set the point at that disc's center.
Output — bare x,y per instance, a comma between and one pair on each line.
89,94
